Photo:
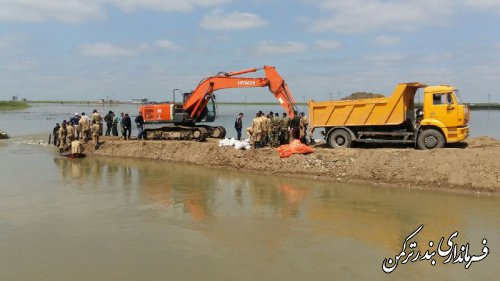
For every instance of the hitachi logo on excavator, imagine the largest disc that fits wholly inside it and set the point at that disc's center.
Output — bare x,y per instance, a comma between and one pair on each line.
250,83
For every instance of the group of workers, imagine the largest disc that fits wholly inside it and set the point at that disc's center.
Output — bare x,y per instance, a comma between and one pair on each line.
273,130
83,127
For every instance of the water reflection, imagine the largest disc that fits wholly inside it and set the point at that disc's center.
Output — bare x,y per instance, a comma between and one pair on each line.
376,216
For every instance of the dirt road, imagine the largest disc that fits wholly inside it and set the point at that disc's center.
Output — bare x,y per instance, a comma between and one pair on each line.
473,166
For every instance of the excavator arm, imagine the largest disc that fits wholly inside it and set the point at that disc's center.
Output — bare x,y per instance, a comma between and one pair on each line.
199,98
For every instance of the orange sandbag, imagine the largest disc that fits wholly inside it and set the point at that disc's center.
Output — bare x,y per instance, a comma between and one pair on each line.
295,147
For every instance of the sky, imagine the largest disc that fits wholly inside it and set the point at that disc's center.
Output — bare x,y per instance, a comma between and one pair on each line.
123,49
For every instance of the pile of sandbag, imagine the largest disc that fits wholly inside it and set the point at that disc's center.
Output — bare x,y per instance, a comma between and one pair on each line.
295,147
244,144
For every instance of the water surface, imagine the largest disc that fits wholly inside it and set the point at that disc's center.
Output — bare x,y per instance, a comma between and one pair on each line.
129,219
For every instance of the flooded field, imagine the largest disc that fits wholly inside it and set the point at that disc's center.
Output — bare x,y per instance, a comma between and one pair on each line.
122,219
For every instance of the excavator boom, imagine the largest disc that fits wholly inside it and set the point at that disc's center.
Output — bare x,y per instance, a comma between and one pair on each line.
199,98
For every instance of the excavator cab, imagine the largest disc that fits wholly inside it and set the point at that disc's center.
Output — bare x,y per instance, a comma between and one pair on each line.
210,112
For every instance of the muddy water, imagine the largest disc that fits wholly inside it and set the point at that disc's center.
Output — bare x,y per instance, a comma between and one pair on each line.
119,219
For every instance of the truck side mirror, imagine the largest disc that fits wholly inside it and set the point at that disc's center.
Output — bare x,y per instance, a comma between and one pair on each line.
450,107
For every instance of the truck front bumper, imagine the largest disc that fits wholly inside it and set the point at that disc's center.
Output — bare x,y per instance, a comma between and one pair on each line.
462,133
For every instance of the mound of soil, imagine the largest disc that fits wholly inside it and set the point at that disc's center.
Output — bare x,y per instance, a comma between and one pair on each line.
472,166
362,95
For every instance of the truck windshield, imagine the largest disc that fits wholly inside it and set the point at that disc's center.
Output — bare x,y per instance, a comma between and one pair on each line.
458,96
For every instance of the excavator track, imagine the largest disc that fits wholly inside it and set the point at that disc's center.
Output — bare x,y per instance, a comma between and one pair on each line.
216,132
177,133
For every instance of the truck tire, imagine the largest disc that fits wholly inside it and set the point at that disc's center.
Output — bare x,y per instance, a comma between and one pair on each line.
430,139
339,139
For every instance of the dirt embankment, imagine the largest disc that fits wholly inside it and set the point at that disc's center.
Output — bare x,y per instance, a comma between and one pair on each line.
473,166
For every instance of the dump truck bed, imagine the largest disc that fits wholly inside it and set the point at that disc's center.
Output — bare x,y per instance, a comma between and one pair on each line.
392,110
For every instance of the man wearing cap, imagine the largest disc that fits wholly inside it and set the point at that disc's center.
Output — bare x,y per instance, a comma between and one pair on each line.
74,120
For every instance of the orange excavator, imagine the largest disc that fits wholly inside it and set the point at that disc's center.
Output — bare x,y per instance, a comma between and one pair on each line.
199,105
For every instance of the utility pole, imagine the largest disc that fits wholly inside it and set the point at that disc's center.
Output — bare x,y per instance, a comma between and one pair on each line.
331,94
304,106
489,101
338,93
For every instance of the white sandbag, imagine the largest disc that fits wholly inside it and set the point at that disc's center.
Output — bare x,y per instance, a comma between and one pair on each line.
236,143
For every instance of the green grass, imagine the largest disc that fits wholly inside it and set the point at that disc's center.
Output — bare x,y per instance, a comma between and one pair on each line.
10,105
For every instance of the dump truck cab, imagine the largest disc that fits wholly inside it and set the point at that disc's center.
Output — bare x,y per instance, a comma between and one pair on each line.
444,112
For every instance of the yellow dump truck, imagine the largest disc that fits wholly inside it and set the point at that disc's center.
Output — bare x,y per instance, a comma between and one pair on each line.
443,118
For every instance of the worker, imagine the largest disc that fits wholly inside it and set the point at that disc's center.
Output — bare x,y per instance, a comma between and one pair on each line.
265,129
275,130
55,133
139,121
109,122
76,148
95,133
238,125
96,116
84,125
62,136
303,128
127,126
122,127
70,132
257,124
295,126
116,121
285,133
74,120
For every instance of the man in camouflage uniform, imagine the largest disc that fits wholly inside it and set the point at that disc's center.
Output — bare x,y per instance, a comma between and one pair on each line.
95,134
62,136
76,148
70,132
265,128
285,133
257,125
96,116
303,127
275,130
84,127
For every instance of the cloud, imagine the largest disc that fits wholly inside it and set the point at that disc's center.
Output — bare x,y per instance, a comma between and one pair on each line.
385,57
349,16
166,44
165,5
217,20
488,5
273,48
76,11
328,44
105,50
387,40
68,11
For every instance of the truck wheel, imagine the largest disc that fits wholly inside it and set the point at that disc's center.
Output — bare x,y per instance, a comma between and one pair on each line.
430,139
339,139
